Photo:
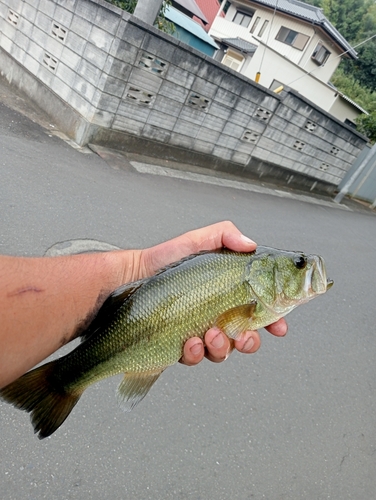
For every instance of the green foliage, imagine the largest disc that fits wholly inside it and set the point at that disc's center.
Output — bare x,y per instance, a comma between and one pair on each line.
364,69
347,16
356,21
366,124
127,5
162,23
348,85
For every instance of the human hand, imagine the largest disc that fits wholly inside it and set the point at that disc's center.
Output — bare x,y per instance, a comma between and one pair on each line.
213,237
216,346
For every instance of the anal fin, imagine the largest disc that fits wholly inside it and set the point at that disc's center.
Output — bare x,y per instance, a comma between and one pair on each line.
237,320
134,387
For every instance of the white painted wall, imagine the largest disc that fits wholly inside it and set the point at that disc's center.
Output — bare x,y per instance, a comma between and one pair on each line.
225,28
343,109
285,63
274,66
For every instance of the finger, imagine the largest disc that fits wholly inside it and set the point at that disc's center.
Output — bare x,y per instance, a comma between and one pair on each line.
235,240
193,352
207,238
249,342
279,328
217,344
221,234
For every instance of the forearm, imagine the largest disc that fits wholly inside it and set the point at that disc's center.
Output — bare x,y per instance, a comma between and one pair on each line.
45,302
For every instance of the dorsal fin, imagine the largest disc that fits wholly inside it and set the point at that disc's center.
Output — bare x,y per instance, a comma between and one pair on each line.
182,261
110,306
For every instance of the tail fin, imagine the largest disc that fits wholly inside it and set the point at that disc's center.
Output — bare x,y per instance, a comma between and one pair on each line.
36,393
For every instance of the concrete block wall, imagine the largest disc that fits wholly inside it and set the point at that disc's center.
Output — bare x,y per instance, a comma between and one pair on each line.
304,139
131,87
66,45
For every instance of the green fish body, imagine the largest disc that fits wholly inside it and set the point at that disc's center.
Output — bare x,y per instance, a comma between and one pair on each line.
141,328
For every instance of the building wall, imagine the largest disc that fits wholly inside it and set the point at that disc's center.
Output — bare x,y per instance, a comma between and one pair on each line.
108,78
272,66
343,110
225,28
67,45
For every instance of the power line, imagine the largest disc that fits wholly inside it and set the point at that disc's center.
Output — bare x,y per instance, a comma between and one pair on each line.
337,57
267,39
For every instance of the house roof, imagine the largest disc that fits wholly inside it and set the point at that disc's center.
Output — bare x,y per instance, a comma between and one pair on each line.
190,8
311,14
353,103
188,24
346,98
240,44
210,9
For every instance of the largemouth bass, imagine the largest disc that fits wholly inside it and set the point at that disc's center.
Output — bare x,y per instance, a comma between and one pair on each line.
141,328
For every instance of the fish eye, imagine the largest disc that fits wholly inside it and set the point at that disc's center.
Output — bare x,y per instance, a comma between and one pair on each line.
300,262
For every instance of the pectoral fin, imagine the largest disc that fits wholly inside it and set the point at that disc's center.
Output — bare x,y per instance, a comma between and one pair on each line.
237,320
134,388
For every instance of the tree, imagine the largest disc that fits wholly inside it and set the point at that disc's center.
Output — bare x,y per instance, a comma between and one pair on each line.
366,124
356,21
364,69
347,16
127,5
348,85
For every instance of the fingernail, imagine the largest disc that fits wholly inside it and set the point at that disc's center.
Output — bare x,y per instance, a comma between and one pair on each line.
196,349
218,341
248,345
247,240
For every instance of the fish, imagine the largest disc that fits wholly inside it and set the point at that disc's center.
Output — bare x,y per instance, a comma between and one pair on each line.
142,326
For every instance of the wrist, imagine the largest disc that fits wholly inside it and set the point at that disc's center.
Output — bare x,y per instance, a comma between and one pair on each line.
126,266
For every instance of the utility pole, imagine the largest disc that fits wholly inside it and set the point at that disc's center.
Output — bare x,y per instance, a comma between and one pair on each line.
148,10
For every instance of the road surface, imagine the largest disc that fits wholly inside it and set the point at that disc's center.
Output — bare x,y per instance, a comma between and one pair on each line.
296,420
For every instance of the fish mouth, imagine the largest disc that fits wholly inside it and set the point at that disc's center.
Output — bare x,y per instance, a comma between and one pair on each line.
318,281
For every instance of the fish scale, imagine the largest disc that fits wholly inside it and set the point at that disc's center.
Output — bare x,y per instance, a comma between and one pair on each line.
141,328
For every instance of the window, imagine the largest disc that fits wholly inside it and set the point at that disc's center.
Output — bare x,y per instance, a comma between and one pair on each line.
350,123
226,7
293,38
255,24
233,60
263,28
320,55
243,19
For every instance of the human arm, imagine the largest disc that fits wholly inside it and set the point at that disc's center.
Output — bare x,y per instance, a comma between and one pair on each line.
47,301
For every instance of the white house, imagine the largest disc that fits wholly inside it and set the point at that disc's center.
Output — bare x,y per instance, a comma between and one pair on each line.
285,42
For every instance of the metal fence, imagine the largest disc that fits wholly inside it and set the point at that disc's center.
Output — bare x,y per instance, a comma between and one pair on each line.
360,180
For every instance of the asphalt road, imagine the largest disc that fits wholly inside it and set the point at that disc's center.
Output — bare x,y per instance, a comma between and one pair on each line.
296,420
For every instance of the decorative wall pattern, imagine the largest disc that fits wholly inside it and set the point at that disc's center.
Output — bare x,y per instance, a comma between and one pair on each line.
117,74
